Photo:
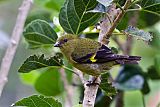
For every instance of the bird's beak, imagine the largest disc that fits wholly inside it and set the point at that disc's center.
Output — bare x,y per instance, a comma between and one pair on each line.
57,44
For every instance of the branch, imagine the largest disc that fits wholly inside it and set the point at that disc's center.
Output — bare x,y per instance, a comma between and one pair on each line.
67,88
106,23
90,93
118,18
15,38
116,22
91,90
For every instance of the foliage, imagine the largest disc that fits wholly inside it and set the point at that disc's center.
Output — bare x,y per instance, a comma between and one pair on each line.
77,17
80,19
38,101
153,6
44,85
107,86
34,62
54,5
140,34
39,33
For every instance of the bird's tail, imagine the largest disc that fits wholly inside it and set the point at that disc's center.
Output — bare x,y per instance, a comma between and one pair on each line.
124,59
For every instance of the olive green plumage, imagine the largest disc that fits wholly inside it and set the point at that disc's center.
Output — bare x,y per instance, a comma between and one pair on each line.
90,56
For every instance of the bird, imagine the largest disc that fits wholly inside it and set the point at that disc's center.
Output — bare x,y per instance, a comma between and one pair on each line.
90,56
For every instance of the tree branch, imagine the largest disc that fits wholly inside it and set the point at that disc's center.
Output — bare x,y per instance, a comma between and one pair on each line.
90,93
67,88
15,38
106,24
118,18
116,21
91,90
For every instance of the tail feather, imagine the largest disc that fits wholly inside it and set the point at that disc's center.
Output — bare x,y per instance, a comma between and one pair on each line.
120,59
129,60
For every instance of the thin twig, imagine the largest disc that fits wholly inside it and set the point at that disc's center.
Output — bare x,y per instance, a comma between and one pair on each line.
71,70
117,20
15,38
67,88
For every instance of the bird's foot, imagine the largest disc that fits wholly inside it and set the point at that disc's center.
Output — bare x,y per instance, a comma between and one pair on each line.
92,83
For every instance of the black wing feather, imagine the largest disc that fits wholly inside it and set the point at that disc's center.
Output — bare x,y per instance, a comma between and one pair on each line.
104,54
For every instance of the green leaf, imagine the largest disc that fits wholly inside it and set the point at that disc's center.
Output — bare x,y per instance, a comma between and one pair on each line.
38,101
152,73
74,17
39,33
156,38
151,6
131,77
29,78
49,83
106,3
145,90
36,62
143,21
92,35
140,34
40,14
107,86
102,100
55,5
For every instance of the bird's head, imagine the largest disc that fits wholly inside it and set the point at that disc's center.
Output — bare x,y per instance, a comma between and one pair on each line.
64,39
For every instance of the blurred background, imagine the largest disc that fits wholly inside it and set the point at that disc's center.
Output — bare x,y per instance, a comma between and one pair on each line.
14,89
19,86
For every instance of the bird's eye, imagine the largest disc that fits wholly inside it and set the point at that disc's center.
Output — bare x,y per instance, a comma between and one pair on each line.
65,40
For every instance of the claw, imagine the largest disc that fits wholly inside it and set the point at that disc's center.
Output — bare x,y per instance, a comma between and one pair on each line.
92,83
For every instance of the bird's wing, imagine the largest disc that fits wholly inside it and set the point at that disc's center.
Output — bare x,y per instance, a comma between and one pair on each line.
92,53
97,53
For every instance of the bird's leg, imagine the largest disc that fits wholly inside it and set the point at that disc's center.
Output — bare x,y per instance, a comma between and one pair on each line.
92,82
